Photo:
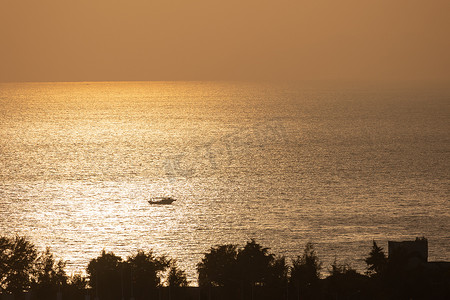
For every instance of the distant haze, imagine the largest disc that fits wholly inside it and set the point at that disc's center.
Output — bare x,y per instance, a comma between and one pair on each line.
59,40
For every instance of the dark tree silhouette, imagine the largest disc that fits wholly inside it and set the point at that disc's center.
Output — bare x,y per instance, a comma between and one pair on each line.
76,287
17,260
251,272
219,267
305,269
340,268
146,271
78,282
176,277
238,271
245,273
110,277
278,272
376,261
105,275
254,263
50,275
345,282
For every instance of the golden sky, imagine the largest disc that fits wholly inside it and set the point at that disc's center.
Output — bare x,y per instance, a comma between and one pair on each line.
59,40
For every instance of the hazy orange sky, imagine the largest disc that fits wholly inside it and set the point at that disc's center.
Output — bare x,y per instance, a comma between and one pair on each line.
59,40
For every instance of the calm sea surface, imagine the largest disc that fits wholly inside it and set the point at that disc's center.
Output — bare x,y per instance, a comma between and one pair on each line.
282,164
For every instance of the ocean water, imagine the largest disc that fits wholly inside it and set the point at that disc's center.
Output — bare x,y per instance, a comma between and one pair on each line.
283,164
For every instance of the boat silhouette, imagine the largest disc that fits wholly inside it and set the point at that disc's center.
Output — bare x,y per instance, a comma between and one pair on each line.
161,200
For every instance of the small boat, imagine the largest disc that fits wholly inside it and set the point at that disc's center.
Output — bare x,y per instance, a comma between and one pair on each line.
161,200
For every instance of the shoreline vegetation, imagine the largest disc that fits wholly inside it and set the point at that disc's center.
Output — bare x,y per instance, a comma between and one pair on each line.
225,272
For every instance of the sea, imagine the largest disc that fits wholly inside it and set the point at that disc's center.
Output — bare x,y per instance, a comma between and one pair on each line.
284,164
